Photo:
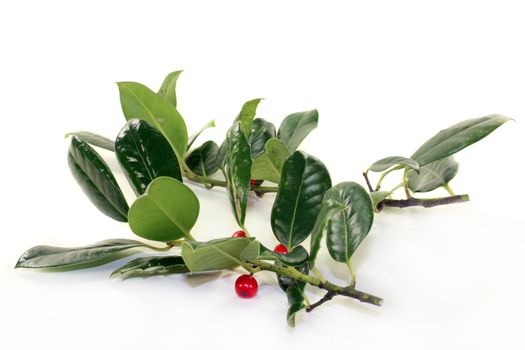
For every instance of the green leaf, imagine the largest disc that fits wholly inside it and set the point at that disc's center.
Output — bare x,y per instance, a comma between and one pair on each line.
169,86
247,114
218,254
139,102
44,256
260,133
379,196
145,154
210,124
203,160
385,163
285,282
318,230
238,171
433,175
221,154
347,216
269,164
96,180
152,266
296,302
255,251
455,138
295,127
165,212
302,186
94,139
350,219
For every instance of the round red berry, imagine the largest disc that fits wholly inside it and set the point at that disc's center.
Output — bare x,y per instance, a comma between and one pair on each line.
246,286
253,182
281,249
239,233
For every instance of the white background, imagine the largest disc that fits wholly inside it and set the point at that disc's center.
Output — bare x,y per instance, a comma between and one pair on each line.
385,76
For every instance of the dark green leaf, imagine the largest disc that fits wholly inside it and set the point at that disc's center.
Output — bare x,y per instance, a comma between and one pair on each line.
269,164
96,180
455,138
165,212
218,254
285,282
247,114
169,87
295,257
238,171
210,124
221,154
433,175
203,160
318,230
296,302
152,266
139,102
256,251
302,186
261,132
43,256
388,162
350,219
94,139
145,154
296,127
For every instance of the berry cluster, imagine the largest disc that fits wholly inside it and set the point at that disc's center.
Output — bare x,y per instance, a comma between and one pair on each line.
246,286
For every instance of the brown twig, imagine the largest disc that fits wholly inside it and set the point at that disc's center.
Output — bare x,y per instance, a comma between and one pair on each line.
421,202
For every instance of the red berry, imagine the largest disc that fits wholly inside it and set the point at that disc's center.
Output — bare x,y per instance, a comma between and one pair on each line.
253,182
246,286
239,234
281,249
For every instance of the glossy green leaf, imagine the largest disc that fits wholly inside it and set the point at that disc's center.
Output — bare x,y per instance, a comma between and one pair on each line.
203,160
193,137
379,196
455,138
269,164
295,127
218,254
221,154
295,257
256,251
152,266
304,181
350,221
388,162
145,154
285,282
139,102
44,256
433,175
295,302
94,139
319,228
165,212
246,115
96,180
238,171
260,133
169,87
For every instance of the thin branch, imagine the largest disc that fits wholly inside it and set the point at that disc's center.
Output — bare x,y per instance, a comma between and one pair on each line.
314,281
327,297
422,202
365,175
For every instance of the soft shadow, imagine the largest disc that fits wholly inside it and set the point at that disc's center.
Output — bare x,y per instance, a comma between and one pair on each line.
197,279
